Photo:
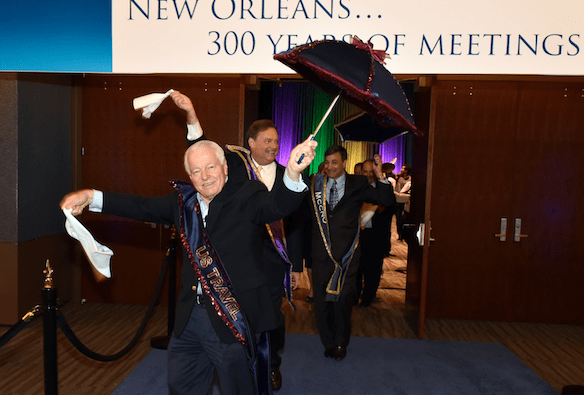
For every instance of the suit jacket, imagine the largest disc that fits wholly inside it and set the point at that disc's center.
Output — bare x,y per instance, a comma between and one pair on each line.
274,265
380,228
343,223
235,224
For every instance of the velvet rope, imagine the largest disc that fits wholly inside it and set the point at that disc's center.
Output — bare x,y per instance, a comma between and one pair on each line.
70,335
13,331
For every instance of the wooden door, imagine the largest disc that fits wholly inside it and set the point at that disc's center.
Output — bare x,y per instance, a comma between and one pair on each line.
514,150
474,135
419,214
546,267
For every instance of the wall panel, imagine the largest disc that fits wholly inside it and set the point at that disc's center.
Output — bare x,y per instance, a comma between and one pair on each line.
125,153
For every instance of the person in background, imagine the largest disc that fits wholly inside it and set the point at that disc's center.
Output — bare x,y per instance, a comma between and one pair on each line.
373,242
403,197
403,177
388,169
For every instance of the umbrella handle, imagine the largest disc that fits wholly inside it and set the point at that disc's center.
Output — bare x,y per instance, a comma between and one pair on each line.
326,114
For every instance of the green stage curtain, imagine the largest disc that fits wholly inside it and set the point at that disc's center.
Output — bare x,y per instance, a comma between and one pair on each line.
297,109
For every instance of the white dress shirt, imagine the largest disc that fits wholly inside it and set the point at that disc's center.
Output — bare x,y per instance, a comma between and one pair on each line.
267,173
194,131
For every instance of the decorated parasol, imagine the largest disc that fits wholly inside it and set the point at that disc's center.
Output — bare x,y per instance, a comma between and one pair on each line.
356,72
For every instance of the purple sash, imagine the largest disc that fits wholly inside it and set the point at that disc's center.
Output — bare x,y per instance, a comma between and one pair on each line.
217,286
276,228
337,280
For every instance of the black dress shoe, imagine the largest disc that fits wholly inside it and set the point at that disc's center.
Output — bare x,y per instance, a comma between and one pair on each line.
309,299
330,352
276,377
340,353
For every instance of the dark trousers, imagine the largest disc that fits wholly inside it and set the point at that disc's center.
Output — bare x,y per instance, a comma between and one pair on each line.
193,356
406,233
388,249
278,335
333,318
399,220
370,266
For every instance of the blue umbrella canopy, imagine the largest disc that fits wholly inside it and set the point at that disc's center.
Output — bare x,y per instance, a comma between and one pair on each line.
356,72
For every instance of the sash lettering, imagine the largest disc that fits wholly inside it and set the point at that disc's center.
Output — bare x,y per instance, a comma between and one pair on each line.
215,282
337,280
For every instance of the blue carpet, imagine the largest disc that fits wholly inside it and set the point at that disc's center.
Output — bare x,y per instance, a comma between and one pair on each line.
378,366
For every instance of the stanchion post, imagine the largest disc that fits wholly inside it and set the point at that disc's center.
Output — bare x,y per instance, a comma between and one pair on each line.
161,342
49,303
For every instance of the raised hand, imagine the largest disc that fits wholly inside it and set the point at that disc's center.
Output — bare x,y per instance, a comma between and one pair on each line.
184,103
377,166
295,165
77,201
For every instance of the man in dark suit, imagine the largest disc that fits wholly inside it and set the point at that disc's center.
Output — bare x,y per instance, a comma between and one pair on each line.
403,178
218,316
282,257
373,240
337,200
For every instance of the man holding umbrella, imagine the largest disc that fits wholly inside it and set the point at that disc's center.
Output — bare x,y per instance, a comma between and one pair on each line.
337,198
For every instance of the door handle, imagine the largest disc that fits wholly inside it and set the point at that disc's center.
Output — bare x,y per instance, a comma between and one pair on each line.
517,235
503,230
417,230
420,232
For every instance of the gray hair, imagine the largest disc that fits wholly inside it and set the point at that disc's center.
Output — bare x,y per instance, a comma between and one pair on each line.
204,144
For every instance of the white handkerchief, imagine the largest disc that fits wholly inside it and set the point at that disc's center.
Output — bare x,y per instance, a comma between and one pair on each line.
98,254
150,102
366,217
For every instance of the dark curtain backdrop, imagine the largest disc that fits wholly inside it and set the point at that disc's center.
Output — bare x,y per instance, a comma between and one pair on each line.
297,109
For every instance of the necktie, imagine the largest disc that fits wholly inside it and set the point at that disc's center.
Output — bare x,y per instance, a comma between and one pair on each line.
334,195
260,173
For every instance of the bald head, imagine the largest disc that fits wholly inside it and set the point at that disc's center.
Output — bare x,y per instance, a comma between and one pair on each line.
368,171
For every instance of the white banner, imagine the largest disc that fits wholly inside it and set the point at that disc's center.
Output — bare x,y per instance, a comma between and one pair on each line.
421,36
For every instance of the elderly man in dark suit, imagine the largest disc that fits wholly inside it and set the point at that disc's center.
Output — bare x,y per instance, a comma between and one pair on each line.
225,300
337,198
283,251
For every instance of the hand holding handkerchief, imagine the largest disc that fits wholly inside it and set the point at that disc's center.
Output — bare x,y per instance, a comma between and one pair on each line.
150,102
98,254
367,213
